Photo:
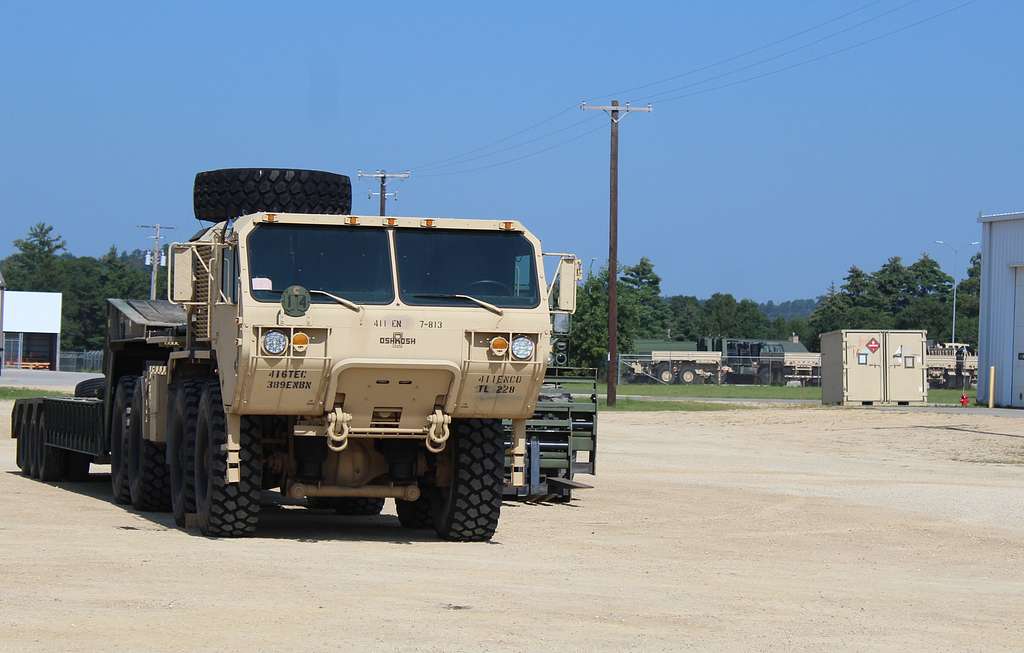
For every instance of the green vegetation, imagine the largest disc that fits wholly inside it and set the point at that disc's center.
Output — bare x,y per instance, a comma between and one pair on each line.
918,296
43,264
23,393
951,397
641,405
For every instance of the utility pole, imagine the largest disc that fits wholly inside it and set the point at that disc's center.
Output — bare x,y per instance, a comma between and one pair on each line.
383,193
616,113
154,255
956,278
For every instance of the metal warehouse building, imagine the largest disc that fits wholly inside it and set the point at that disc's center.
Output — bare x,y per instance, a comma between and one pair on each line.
1001,337
31,329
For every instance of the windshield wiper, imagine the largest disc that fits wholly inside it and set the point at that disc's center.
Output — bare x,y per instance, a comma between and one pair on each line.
347,303
444,295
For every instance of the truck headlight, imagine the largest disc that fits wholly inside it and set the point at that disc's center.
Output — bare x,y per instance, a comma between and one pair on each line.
522,348
275,342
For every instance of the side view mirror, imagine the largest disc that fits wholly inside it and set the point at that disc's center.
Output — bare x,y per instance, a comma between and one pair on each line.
569,272
181,286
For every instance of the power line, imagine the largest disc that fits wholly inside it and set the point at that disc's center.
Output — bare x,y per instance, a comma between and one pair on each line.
383,192
511,147
720,62
781,54
518,158
822,56
436,163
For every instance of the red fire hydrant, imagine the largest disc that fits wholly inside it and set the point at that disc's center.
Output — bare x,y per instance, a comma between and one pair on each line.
964,400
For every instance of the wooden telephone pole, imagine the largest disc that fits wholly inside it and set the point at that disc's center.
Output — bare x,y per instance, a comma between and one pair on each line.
616,113
155,255
383,193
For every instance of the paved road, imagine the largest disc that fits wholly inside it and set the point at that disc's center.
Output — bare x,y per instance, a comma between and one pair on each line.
47,379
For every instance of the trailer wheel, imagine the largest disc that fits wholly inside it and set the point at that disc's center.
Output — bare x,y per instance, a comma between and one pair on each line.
663,372
468,509
21,444
120,419
147,462
415,514
355,506
181,447
225,509
51,459
689,376
76,466
94,388
225,194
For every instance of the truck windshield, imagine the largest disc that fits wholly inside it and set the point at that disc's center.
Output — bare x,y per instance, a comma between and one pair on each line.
496,267
351,262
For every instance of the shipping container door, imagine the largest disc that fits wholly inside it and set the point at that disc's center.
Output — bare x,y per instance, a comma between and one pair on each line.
864,365
1017,387
905,372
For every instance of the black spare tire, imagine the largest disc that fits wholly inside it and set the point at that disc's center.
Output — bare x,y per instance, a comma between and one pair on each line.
231,192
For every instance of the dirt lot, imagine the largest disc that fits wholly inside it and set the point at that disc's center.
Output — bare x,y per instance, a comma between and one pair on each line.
769,529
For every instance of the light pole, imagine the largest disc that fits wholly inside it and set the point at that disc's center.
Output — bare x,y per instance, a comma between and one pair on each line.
956,257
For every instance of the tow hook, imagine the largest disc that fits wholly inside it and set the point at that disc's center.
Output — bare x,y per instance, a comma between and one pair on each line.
437,432
337,419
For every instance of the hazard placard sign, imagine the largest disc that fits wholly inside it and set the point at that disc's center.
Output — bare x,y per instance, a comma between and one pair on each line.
872,345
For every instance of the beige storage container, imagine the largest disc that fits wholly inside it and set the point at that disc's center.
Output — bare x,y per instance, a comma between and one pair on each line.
869,367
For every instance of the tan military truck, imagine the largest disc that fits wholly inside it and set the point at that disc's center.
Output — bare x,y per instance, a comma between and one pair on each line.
338,358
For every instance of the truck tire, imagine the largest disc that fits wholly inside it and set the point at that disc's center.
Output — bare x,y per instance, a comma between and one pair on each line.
415,514
120,419
92,388
663,372
229,193
225,509
51,459
183,411
355,506
21,444
76,466
147,462
468,509
689,376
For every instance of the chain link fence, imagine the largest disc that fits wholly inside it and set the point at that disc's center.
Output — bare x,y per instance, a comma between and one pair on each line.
81,361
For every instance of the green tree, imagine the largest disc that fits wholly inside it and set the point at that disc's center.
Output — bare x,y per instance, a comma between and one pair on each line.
686,321
588,341
645,285
36,264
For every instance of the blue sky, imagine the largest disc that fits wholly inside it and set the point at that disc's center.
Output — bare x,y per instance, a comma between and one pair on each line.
767,189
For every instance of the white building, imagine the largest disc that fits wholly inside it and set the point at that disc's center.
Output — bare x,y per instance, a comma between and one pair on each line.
31,329
1001,337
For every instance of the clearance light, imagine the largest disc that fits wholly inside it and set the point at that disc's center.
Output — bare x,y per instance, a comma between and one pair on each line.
429,222
506,225
391,222
499,346
271,217
351,220
300,341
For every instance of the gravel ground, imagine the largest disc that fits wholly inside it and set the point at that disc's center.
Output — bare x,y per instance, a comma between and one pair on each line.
768,529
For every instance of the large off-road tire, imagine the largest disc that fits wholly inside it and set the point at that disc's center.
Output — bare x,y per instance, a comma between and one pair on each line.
76,466
663,372
22,444
32,447
415,514
689,376
225,509
224,194
51,459
148,484
468,509
120,419
183,411
92,388
357,506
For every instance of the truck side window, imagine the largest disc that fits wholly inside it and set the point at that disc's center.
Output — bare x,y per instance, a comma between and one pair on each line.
229,274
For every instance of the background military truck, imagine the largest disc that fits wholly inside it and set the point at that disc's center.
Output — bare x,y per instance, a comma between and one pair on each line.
335,358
